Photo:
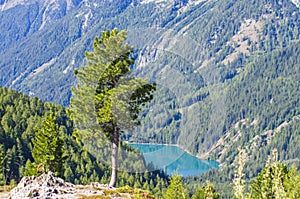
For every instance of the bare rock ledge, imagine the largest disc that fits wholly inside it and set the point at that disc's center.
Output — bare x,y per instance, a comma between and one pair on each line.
48,186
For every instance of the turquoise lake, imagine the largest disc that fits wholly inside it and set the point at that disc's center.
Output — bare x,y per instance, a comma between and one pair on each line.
173,159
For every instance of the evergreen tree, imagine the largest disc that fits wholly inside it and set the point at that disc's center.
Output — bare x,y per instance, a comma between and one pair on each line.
206,192
176,189
2,156
292,183
269,182
30,169
9,165
239,182
275,181
20,156
68,174
137,184
48,146
107,100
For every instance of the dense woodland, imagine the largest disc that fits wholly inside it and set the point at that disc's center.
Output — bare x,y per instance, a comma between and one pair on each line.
22,119
252,101
26,123
228,93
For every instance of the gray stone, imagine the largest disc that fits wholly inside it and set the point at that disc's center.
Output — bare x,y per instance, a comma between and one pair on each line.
49,186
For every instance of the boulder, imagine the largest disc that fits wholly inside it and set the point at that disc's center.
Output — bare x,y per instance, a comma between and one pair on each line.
49,186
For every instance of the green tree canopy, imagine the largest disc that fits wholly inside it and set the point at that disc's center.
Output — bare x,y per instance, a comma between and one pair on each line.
206,192
176,189
107,100
49,146
276,180
2,156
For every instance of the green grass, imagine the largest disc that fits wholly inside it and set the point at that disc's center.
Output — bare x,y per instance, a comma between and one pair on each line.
6,188
124,192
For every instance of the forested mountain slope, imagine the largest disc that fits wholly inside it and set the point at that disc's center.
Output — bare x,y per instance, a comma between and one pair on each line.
227,71
262,114
45,40
21,117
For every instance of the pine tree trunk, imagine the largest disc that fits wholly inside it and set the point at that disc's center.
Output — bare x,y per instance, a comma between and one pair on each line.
114,160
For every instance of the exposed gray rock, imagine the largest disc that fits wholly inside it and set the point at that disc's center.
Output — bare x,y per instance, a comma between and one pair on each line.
49,186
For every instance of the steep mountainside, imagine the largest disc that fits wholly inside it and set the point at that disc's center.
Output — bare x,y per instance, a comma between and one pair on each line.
227,71
20,19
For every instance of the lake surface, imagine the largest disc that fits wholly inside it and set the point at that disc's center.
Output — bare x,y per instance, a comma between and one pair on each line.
173,159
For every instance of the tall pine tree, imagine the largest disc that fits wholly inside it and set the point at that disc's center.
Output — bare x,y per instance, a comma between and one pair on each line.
107,100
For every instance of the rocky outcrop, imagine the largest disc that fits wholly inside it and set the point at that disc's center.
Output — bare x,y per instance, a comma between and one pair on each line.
49,186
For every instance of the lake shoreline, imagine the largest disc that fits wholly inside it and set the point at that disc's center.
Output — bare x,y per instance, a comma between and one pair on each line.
176,145
174,159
